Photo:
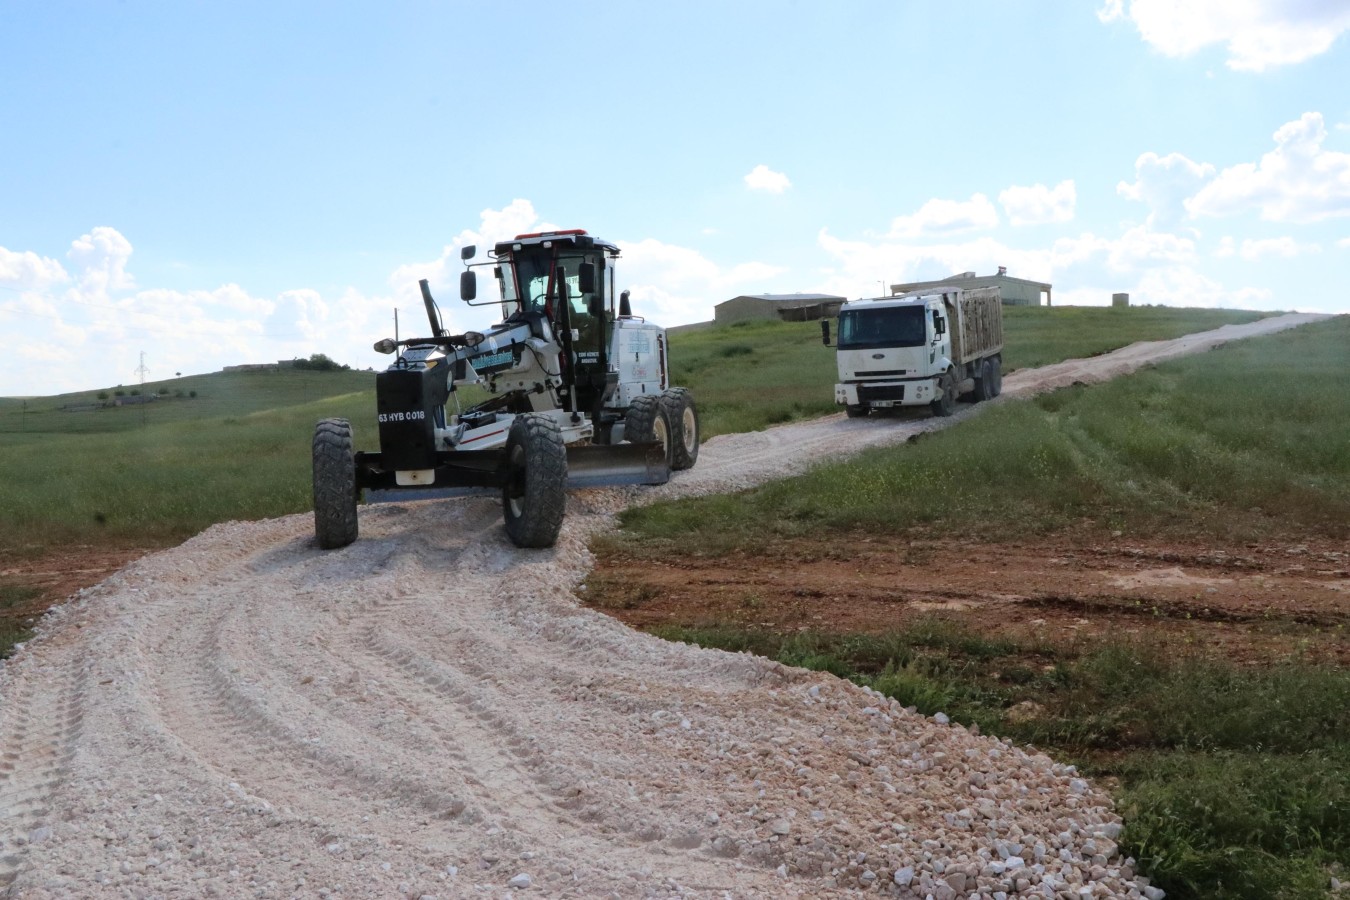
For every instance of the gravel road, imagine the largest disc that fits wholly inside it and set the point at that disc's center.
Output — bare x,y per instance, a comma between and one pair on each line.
429,712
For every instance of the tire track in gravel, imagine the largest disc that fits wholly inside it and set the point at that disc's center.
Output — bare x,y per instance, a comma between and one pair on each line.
34,757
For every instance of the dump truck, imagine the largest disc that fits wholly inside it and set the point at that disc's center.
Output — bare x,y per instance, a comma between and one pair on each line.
925,347
578,395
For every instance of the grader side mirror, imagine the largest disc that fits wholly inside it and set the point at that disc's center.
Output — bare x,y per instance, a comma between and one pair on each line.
586,278
825,332
468,285
467,253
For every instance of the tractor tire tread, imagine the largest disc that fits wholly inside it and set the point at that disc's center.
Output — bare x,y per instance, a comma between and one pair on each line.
544,503
683,452
335,520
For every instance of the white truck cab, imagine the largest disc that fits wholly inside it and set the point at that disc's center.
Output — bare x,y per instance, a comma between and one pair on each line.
921,348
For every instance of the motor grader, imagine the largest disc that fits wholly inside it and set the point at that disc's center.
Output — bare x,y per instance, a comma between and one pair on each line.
578,389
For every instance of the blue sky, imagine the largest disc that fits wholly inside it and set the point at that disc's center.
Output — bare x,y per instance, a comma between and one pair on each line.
221,183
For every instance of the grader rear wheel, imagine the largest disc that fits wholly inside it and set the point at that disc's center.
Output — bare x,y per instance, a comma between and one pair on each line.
684,427
649,423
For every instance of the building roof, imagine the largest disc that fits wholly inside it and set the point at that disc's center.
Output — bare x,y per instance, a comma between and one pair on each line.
967,279
789,298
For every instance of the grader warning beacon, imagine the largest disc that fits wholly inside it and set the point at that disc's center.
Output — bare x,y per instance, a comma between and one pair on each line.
578,388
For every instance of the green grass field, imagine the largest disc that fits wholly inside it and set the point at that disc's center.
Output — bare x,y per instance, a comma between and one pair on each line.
751,375
1252,435
239,448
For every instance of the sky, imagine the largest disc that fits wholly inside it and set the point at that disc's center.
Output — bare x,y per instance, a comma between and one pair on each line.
190,185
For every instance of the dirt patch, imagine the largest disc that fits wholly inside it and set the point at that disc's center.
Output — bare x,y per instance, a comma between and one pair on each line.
1252,603
57,573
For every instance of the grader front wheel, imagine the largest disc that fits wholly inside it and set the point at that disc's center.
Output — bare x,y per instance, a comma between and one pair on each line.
335,523
534,498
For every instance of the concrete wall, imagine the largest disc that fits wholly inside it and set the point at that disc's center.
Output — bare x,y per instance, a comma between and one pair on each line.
738,309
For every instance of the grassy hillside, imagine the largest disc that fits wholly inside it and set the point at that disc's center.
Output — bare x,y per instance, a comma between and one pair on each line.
164,471
1225,443
751,375
236,446
193,398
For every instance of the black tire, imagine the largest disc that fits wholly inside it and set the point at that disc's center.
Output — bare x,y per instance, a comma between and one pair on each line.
335,523
857,410
649,422
685,431
984,382
945,404
995,377
534,498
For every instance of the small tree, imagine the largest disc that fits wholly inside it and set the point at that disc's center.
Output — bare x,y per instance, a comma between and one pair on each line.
103,395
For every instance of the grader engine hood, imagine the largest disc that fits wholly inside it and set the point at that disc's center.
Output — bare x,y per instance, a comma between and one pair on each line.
407,402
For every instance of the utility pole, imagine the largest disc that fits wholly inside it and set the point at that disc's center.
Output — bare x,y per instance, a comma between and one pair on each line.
141,370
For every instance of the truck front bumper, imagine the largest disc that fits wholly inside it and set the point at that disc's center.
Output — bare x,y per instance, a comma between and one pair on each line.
882,394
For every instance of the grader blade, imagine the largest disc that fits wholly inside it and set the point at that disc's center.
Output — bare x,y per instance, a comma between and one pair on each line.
605,465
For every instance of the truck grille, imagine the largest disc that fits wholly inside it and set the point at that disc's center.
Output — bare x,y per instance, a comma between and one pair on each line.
869,392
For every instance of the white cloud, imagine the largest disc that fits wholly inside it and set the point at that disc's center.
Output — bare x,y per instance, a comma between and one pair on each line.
102,256
28,270
1141,245
1164,183
1344,242
860,263
677,285
1259,34
1184,286
1227,247
1038,204
1298,181
1284,247
442,273
762,178
945,217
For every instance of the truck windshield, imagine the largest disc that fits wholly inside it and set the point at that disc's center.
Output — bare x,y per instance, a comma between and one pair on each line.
895,326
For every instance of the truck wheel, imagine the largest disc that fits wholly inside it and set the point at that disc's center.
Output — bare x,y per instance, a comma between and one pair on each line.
945,404
534,497
995,377
649,422
684,428
983,382
857,410
335,522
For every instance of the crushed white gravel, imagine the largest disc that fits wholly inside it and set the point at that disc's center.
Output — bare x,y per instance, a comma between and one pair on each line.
430,713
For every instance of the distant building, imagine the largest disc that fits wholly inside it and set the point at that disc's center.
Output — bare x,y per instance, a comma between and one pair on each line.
1015,291
788,307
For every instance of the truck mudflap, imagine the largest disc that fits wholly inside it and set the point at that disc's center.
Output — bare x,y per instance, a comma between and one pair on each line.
468,472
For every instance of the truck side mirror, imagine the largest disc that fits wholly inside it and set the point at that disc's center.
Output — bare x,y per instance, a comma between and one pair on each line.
825,332
467,253
625,306
586,278
468,285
